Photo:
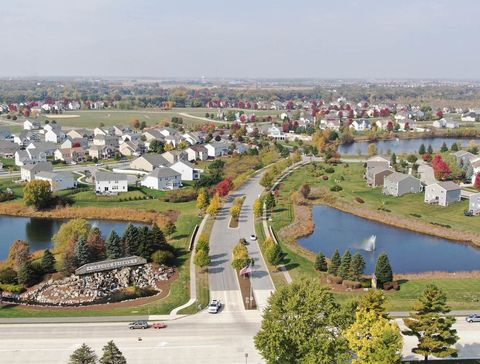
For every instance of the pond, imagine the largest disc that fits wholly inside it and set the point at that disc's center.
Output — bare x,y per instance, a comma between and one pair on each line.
38,232
400,146
409,252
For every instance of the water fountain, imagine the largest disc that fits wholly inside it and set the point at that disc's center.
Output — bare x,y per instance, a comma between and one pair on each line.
369,244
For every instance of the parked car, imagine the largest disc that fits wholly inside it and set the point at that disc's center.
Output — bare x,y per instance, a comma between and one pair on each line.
253,237
214,306
140,324
159,325
474,317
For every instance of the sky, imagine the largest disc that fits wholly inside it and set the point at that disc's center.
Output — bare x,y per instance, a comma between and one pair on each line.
241,39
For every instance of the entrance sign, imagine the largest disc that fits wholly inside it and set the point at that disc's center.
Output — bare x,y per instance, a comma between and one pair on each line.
110,264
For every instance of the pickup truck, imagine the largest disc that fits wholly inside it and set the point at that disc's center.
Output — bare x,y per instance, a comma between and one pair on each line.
214,306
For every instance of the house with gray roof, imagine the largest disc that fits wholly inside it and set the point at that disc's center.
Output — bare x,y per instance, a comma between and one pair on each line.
29,171
442,193
376,175
377,161
108,183
148,162
188,171
58,180
162,178
399,184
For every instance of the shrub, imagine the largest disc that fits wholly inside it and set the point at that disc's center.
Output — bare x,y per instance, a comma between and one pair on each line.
163,257
8,276
336,188
334,279
329,170
416,215
359,200
12,288
186,195
366,283
391,285
325,178
351,284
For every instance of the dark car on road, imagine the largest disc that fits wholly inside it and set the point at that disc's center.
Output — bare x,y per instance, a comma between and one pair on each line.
475,317
140,324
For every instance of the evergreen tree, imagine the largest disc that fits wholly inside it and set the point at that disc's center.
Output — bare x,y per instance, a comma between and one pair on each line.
158,239
96,244
357,267
113,246
321,262
335,262
82,252
344,269
269,201
112,355
444,148
83,355
432,327
422,150
48,261
26,274
374,300
393,159
170,228
383,270
131,240
430,149
454,147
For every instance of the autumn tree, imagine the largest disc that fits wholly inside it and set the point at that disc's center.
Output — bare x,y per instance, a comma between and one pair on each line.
202,199
305,190
372,149
83,355
235,212
214,205
297,326
258,207
19,254
96,244
431,325
71,231
476,185
240,256
270,201
37,193
224,187
267,180
202,259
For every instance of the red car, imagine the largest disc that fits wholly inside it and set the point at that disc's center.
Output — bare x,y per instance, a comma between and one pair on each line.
159,325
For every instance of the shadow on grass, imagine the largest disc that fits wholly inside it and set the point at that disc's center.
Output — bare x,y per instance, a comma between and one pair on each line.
181,256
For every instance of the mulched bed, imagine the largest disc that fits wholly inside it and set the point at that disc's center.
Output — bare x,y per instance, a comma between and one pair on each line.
245,288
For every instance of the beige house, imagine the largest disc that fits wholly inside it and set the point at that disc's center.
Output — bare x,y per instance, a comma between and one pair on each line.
197,152
148,162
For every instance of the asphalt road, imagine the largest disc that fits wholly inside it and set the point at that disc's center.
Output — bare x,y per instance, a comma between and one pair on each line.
202,338
222,277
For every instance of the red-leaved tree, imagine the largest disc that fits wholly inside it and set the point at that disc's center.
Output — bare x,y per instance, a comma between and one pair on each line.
224,187
477,182
440,167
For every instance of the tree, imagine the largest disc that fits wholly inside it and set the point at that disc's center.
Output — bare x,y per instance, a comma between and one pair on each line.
444,148
374,300
374,339
157,146
269,201
202,259
235,211
240,256
214,205
357,267
335,262
476,185
202,199
430,149
258,207
163,257
372,149
440,168
297,326
267,180
321,262
113,246
131,240
83,355
393,159
454,147
48,261
71,231
421,150
430,324
82,252
224,187
37,193
274,254
112,355
26,274
305,190
153,241
344,269
19,254
383,270
170,228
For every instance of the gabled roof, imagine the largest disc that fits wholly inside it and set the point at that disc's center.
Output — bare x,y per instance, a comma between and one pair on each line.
155,159
449,185
109,176
163,172
398,177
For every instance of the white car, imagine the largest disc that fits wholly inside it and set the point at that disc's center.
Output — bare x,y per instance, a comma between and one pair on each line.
253,237
214,306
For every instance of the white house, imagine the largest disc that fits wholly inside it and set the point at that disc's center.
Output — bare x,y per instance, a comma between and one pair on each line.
28,172
216,149
29,156
273,132
187,170
107,183
58,180
162,178
360,125
55,135
197,152
442,193
474,203
31,125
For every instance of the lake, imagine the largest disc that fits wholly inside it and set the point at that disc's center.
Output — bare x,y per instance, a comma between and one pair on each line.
38,232
401,145
409,252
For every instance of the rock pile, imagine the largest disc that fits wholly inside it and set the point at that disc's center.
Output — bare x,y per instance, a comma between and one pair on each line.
87,289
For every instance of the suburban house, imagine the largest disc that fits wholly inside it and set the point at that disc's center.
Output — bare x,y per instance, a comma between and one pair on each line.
130,149
187,170
28,172
109,140
47,147
197,152
103,131
469,116
70,155
167,131
445,123
58,180
360,125
107,183
442,193
376,175
275,133
377,161
26,136
216,149
192,138
80,133
7,149
475,164
31,125
162,178
399,184
55,135
74,142
474,203
148,162
153,134
29,156
173,140
173,156
463,157
101,151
